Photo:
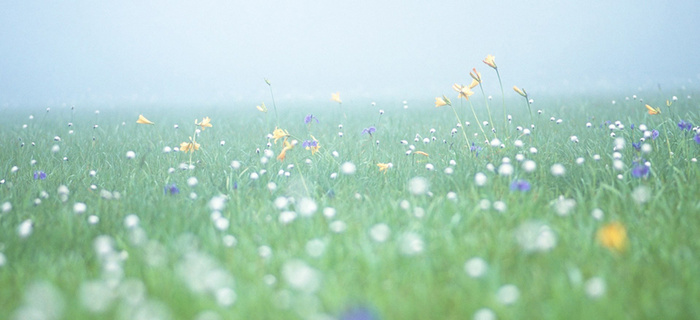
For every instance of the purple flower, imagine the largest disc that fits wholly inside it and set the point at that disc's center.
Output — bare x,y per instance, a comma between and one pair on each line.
475,148
309,117
686,126
654,134
697,138
309,143
637,146
640,170
39,175
358,313
370,130
171,189
520,185
632,126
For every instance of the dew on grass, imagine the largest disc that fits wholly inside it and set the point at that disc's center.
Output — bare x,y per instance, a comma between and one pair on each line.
484,314
484,204
505,169
281,202
329,212
595,287
410,243
265,252
452,196
563,206
225,297
641,194
131,221
315,248
286,217
597,214
508,294
476,267
221,223
6,207
337,226
229,240
418,212
348,168
269,279
418,186
79,208
480,179
217,203
42,300
300,276
499,206
534,236
96,296
25,228
306,207
380,232
63,193
558,170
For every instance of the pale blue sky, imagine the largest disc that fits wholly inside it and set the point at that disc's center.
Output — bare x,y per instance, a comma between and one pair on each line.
161,51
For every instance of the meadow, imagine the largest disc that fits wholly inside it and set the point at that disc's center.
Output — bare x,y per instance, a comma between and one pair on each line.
576,208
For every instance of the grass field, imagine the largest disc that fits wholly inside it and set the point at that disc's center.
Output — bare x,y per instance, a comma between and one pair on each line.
103,217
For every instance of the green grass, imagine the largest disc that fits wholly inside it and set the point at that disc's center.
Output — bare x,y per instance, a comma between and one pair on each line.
176,260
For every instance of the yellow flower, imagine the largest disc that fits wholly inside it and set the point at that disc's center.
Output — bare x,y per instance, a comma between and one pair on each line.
491,61
283,153
520,91
653,111
262,107
421,153
473,84
189,146
439,102
613,236
384,166
279,133
475,75
464,92
206,122
143,120
336,97
668,103
314,147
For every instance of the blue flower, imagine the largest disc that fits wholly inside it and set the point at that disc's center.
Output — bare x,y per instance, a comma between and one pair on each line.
39,175
370,130
637,146
520,185
309,143
171,189
474,148
309,117
358,313
654,134
697,138
686,126
632,126
640,170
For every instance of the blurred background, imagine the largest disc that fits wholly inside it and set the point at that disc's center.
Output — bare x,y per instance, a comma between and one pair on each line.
214,52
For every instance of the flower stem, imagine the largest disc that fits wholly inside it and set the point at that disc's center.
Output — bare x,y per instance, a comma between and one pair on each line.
503,97
460,124
274,105
477,121
486,100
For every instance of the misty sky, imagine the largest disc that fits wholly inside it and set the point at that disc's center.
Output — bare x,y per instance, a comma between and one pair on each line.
86,51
